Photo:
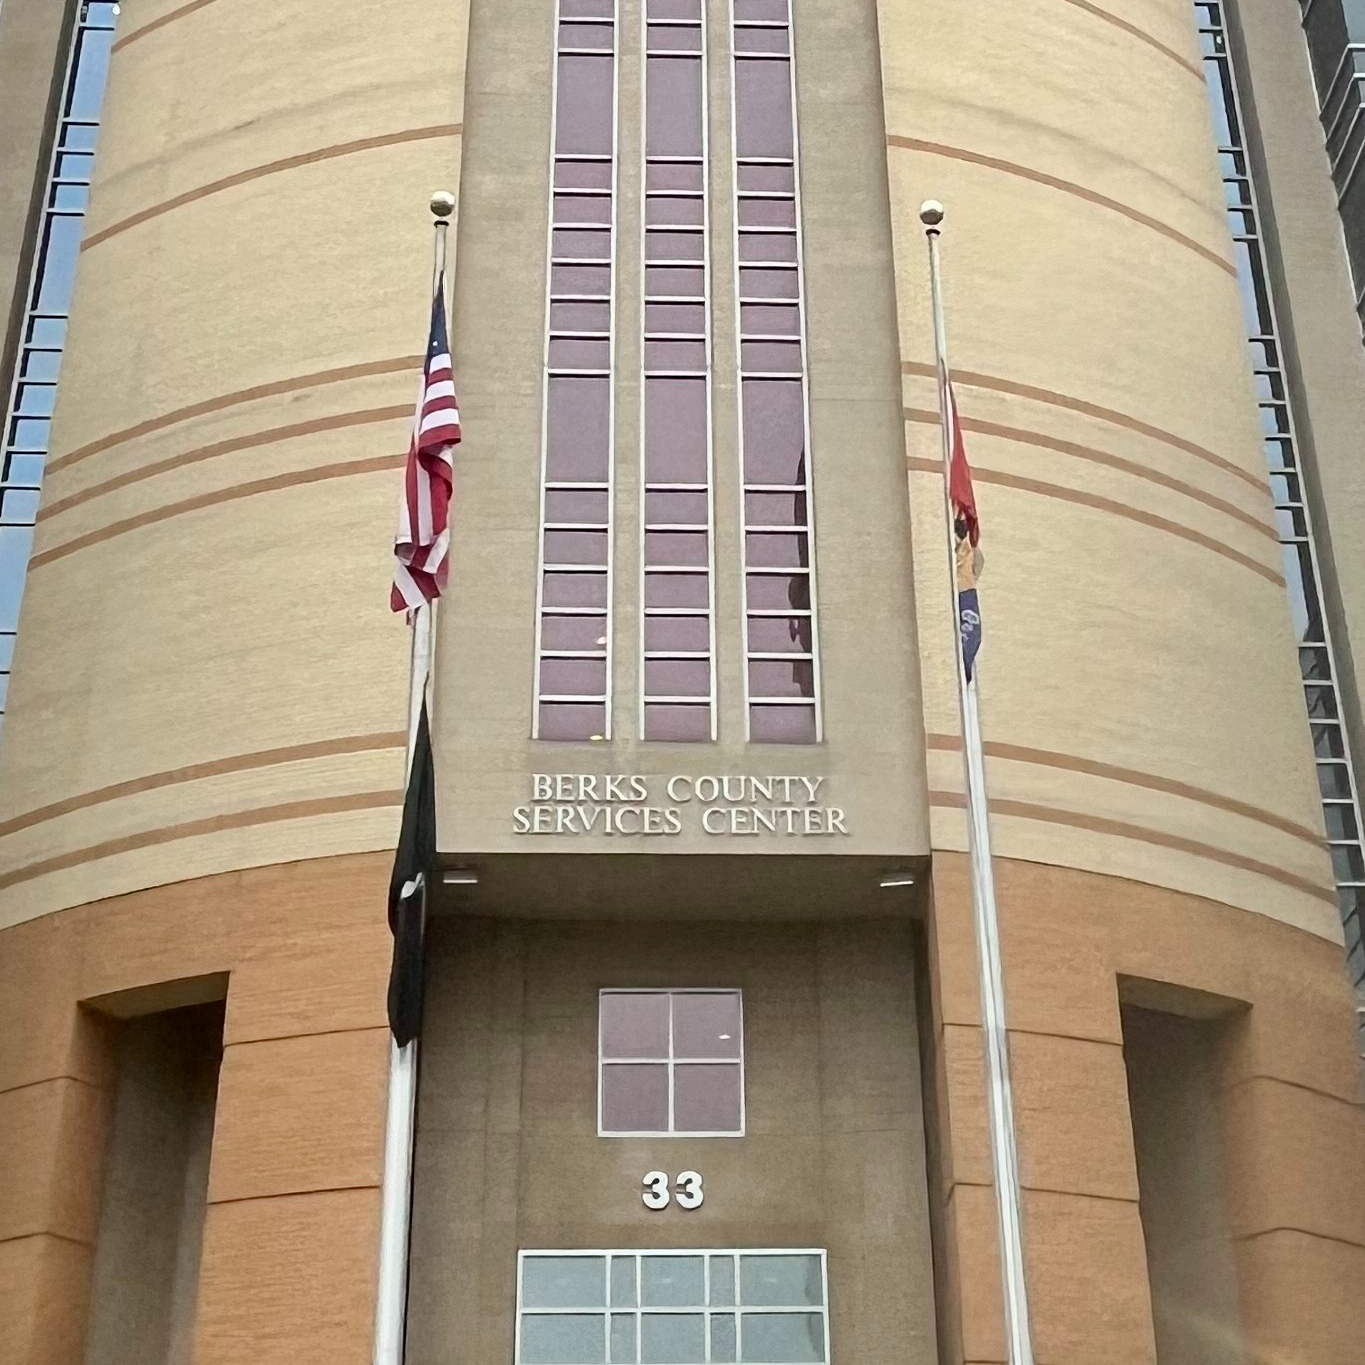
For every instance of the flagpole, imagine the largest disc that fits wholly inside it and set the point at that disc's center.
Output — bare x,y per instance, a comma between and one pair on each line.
1004,1151
390,1319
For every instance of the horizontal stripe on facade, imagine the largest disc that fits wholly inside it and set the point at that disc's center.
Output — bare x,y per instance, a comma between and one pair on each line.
220,767
288,163
300,477
252,441
1109,506
1123,829
1086,409
995,163
1132,777
1131,29
1020,435
213,824
183,12
228,400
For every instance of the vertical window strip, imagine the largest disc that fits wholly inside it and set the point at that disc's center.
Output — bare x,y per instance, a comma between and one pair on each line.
42,340
1336,776
573,601
781,635
677,589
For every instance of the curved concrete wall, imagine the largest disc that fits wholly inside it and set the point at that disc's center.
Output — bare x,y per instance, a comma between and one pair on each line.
208,677
1140,694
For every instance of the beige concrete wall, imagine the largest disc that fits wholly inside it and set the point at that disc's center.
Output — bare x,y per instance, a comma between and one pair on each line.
508,1156
872,757
209,676
31,50
1316,315
1140,689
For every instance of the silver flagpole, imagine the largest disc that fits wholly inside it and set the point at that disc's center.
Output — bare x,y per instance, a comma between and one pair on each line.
390,1318
1004,1152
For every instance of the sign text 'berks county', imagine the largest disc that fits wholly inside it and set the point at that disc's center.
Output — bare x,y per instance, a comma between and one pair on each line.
597,804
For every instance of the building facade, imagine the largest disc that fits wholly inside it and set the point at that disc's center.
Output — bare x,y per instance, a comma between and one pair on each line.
702,1065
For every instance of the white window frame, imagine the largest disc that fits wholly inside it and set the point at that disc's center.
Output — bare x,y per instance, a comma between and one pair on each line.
672,1060
737,1310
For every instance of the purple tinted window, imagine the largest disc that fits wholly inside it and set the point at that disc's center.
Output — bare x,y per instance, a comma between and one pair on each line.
687,319
706,1099
778,591
572,720
782,724
678,634
756,282
766,179
570,354
671,507
771,357
674,38
778,678
675,355
774,431
675,430
635,1099
583,208
770,319
779,634
767,246
664,244
777,550
583,110
677,678
575,589
771,10
574,632
766,213
587,9
665,209
674,9
595,36
581,244
579,423
576,504
676,547
763,106
677,590
674,176
678,724
673,107
580,317
706,1024
769,41
675,282
576,547
592,280
775,509
634,1024
573,677
583,175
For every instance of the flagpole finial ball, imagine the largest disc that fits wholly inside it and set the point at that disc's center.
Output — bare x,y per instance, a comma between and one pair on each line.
931,213
443,203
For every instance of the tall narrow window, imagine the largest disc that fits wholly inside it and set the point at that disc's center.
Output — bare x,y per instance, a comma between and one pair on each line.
678,587
782,674
573,608
1336,779
28,418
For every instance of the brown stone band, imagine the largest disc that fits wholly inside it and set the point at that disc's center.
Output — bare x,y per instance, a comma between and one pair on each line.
220,767
1131,29
196,504
1090,196
1090,455
1079,405
165,19
251,441
1048,758
213,824
288,163
229,400
1122,829
1108,505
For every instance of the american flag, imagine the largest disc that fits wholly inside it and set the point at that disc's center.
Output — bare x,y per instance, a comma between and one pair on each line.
422,546
966,532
